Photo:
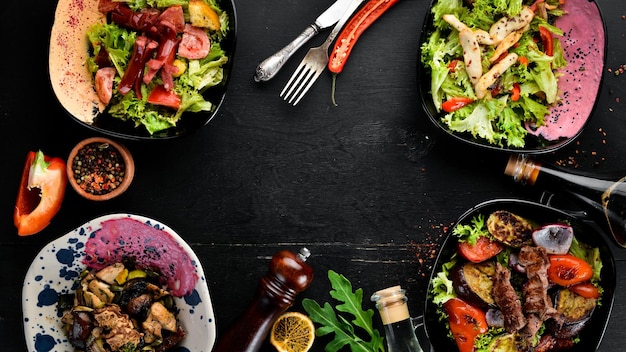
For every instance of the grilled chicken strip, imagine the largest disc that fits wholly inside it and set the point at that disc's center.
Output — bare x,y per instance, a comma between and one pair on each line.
507,25
471,55
493,74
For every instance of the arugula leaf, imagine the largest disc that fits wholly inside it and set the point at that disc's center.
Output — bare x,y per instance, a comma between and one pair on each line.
347,332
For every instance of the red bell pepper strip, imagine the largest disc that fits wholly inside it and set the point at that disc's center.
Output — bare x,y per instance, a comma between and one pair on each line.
484,249
161,96
455,103
516,92
352,31
567,270
466,322
41,193
546,38
586,289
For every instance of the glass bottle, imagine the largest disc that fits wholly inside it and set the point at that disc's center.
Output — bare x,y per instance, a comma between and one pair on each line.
603,196
398,324
288,275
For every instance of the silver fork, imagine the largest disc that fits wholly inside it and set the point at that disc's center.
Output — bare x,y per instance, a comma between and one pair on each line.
314,63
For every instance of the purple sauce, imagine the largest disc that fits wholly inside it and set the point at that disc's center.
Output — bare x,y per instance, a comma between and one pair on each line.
583,45
151,248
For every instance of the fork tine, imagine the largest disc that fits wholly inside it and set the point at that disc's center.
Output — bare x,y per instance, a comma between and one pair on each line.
309,85
306,77
293,80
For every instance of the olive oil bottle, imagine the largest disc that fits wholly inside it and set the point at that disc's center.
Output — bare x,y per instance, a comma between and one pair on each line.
398,324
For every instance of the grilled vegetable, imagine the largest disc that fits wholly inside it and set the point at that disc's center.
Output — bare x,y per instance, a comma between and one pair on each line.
576,311
473,282
466,322
510,229
556,238
566,270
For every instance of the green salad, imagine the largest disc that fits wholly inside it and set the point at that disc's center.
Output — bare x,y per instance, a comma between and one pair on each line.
153,59
493,66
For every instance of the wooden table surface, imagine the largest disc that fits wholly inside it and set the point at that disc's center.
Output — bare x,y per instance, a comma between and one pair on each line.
368,185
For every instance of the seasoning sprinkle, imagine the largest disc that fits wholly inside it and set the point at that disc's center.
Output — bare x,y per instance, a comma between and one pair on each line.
98,168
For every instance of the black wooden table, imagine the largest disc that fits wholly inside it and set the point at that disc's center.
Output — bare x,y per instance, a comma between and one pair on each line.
368,186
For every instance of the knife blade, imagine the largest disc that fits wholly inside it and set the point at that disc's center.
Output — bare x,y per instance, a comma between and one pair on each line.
268,68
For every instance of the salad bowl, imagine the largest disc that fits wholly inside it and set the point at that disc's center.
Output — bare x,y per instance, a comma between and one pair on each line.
55,272
586,231
579,82
72,81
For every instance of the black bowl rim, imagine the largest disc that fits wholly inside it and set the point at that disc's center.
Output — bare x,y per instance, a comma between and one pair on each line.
231,40
423,82
436,332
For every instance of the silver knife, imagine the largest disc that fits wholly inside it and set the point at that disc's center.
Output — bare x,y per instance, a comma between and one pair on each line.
270,66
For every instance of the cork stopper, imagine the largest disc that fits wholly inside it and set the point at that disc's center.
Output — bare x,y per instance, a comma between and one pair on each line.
512,166
391,304
522,169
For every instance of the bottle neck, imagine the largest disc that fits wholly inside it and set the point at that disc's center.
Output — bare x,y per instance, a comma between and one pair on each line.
391,304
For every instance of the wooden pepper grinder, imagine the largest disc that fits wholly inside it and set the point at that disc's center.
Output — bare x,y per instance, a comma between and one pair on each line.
288,275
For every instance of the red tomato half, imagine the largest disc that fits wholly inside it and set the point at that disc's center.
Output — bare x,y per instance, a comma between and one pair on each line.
567,270
484,249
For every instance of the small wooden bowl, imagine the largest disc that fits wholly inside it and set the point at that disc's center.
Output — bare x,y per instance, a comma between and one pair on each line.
106,166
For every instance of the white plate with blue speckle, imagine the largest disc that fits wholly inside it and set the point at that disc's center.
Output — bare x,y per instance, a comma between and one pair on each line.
55,270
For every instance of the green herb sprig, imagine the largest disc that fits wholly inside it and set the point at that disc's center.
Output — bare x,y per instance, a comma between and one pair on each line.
347,332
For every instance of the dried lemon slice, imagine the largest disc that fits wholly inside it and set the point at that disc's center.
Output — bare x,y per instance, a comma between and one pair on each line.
292,332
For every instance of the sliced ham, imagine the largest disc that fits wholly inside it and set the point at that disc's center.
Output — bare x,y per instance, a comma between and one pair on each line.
195,43
104,84
175,16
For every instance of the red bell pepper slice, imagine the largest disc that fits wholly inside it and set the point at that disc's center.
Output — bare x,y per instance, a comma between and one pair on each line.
567,270
586,289
161,96
466,322
546,38
41,193
455,103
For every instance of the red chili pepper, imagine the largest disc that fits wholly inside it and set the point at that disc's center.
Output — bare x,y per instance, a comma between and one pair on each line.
515,92
586,289
161,96
546,38
567,270
353,30
484,249
466,322
41,193
455,103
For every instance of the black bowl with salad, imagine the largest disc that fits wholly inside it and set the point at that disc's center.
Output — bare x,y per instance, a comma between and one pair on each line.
527,276
142,69
516,76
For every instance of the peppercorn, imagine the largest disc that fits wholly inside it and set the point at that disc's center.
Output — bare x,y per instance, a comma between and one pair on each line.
98,168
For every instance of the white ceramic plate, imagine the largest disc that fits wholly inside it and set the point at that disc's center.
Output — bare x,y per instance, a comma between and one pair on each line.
55,269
